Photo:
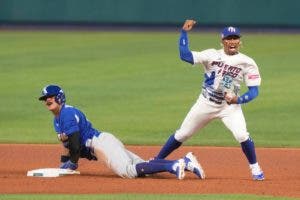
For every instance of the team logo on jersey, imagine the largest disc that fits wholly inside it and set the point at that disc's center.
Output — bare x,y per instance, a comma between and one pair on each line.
226,69
227,81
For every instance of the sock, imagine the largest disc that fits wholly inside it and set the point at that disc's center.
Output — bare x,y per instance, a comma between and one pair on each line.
249,150
153,167
169,146
162,161
255,169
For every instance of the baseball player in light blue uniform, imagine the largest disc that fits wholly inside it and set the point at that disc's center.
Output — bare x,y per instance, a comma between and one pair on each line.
225,69
81,140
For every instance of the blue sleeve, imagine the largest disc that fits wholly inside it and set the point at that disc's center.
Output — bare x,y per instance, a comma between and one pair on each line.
56,126
185,53
251,94
70,124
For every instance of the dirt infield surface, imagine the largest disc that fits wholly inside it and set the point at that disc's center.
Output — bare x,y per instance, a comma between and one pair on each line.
226,169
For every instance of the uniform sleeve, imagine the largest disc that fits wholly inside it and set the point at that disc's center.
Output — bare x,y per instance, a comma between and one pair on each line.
252,76
184,51
203,57
56,127
70,122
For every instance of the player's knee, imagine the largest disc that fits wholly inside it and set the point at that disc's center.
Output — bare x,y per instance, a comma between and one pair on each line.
242,138
181,136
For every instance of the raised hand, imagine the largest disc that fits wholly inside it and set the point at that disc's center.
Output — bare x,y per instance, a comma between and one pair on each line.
188,24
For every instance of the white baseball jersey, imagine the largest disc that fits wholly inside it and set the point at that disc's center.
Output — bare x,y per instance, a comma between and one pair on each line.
220,69
239,67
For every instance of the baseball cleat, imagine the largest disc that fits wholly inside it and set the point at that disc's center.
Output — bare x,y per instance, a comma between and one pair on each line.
178,169
259,177
192,164
257,173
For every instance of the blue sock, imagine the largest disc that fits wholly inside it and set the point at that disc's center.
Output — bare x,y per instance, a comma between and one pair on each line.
169,146
154,166
249,150
162,161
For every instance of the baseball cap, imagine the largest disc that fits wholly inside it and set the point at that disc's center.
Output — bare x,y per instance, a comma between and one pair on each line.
50,91
230,30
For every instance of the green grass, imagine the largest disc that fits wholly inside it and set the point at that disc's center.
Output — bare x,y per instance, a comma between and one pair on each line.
141,196
135,86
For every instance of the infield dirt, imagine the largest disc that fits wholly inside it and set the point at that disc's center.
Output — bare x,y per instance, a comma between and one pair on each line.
226,170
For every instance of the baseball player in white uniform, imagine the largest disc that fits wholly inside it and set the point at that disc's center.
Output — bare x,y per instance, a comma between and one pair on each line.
224,70
81,140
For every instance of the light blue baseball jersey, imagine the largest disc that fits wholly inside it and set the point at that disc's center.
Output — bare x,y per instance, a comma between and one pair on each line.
71,120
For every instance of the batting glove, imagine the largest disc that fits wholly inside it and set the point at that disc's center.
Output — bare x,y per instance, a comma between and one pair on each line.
69,165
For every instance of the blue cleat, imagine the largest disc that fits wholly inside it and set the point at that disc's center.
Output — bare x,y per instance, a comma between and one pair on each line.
259,177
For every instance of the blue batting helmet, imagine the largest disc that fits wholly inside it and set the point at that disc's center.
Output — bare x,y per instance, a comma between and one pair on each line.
53,91
229,31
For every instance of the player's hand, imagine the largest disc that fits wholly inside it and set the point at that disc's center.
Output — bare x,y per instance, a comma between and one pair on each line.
188,24
230,98
62,137
69,165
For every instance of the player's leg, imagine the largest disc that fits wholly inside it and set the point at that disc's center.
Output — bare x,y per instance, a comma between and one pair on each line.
111,150
135,158
234,120
191,164
198,116
176,167
143,168
127,164
168,147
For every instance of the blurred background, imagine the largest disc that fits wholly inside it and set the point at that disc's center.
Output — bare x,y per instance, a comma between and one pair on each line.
255,13
118,61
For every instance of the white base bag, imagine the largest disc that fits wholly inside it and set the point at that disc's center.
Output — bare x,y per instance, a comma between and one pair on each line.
51,172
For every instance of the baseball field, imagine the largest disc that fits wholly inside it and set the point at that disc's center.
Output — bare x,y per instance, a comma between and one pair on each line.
134,85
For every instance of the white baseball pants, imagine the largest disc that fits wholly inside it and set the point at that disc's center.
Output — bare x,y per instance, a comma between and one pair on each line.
111,150
204,111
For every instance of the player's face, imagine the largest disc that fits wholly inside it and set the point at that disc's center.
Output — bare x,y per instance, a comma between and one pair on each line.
52,105
231,45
